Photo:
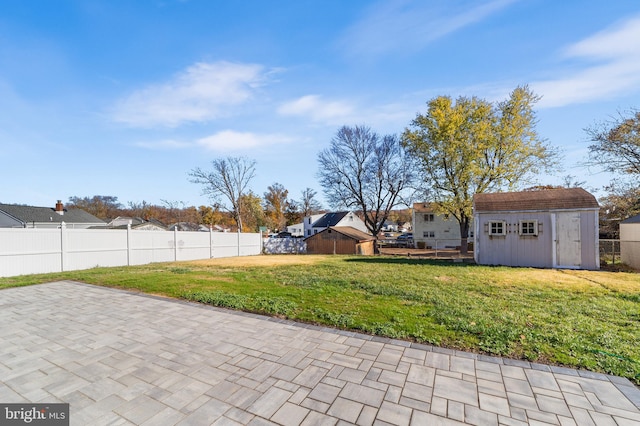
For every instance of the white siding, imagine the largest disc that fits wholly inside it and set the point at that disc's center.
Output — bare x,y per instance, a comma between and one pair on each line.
630,244
570,242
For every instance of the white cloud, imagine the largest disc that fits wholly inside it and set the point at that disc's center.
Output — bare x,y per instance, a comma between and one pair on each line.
231,140
318,110
202,92
612,68
413,24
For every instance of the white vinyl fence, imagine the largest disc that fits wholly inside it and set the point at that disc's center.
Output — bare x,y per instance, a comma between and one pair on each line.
35,251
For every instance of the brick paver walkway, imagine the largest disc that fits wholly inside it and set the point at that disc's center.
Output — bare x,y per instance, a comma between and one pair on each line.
122,358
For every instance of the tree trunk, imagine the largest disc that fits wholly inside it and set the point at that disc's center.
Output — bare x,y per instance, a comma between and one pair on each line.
464,235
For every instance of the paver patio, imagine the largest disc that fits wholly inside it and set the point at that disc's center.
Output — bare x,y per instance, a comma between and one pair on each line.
123,358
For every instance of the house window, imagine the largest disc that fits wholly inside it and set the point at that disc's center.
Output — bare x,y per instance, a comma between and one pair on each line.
428,217
497,227
308,231
428,234
529,227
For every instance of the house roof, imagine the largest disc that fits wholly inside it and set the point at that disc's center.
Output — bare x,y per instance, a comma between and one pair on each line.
348,231
632,219
329,219
548,199
423,208
30,214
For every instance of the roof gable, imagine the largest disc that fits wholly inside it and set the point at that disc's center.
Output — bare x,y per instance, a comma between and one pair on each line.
548,199
348,231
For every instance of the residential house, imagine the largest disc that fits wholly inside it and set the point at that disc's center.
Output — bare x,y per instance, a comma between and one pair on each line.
307,224
138,223
434,230
553,228
296,230
18,216
630,241
317,223
340,240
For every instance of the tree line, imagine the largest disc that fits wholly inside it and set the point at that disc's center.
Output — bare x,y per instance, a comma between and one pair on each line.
274,211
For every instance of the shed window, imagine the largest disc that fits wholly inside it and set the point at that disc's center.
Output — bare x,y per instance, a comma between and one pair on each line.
497,227
428,217
529,227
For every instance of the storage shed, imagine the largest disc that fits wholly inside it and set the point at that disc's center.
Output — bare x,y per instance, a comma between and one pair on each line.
553,228
630,241
340,240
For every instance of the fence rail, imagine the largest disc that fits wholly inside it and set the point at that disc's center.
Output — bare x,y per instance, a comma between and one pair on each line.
34,251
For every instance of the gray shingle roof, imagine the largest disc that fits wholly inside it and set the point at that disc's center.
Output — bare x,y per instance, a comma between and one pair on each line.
30,214
329,219
632,219
548,199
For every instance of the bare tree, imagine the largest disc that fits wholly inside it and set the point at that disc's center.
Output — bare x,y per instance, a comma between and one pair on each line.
616,144
308,205
226,182
365,171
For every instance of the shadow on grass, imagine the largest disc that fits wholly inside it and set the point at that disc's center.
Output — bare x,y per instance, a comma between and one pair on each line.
408,261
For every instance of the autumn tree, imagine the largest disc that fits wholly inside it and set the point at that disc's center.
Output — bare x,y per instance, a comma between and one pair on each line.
616,144
275,205
292,214
226,183
470,146
364,171
251,212
101,206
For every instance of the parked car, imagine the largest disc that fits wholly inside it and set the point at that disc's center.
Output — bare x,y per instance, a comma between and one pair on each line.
406,237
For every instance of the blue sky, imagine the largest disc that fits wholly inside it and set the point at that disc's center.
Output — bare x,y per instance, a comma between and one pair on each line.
124,98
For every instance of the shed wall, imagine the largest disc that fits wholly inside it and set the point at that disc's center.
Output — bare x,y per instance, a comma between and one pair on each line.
334,242
539,251
514,249
630,244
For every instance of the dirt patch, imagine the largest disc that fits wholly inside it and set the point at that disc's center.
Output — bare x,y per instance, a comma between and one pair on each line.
426,253
262,260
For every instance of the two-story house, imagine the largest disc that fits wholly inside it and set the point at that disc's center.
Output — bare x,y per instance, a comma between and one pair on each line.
434,230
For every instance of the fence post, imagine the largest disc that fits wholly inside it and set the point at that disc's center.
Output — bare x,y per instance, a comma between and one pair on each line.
238,242
175,243
63,247
129,243
210,242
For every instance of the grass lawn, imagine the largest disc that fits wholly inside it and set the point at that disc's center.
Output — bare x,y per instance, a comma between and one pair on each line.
583,319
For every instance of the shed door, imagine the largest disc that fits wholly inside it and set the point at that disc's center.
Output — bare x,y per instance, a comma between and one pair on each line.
568,244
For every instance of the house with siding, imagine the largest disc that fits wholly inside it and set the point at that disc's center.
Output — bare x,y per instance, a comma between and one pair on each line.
19,216
434,230
318,223
630,241
553,228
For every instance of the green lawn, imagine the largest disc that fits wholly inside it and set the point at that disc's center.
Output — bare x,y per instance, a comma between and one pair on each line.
583,319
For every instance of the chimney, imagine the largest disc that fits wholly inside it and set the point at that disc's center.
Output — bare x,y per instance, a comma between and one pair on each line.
59,208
